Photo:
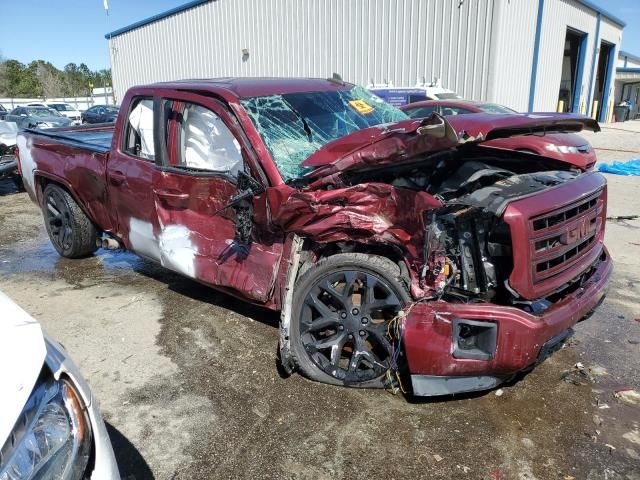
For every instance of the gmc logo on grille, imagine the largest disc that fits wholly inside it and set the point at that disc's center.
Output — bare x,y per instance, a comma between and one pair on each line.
581,230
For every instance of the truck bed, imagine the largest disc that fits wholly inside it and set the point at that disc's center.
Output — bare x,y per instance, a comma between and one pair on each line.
95,138
75,157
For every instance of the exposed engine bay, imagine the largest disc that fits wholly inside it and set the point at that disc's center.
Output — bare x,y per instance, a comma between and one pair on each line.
467,245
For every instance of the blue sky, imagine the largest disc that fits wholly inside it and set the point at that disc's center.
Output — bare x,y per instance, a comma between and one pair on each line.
63,31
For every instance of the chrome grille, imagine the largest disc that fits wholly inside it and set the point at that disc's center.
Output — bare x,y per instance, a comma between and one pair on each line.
563,236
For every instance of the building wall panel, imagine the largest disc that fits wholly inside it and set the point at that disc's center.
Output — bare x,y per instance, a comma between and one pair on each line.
483,49
558,16
366,41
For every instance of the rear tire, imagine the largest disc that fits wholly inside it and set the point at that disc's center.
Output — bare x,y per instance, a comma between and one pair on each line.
70,230
341,309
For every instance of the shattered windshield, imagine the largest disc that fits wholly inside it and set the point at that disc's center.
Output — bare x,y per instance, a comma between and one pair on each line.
295,125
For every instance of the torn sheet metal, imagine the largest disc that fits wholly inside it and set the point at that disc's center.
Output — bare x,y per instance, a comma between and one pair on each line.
367,213
383,145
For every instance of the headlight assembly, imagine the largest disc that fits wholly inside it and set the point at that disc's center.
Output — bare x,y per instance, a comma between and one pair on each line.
561,148
52,437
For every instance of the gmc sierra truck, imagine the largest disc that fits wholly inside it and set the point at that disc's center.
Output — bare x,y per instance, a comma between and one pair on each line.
396,249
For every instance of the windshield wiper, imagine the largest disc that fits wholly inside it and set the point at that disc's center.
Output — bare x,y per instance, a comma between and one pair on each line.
305,125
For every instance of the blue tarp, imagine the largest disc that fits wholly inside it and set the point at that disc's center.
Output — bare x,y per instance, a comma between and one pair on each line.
630,167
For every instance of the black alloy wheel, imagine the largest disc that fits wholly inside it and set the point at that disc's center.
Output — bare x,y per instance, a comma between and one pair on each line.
70,230
343,321
58,218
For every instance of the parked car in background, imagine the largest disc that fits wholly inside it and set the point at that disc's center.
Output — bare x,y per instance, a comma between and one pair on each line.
50,425
64,109
8,164
68,111
565,146
376,234
3,112
100,114
37,117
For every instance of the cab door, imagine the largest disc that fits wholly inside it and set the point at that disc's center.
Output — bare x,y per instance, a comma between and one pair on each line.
202,154
130,173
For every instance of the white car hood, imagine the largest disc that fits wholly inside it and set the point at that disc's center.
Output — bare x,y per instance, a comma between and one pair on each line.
22,355
8,133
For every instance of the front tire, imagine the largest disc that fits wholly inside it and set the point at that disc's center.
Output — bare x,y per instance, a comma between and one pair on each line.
70,230
341,310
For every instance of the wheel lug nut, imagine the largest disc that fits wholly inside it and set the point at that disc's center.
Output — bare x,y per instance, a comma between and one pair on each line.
362,333
350,336
364,320
340,327
355,311
343,315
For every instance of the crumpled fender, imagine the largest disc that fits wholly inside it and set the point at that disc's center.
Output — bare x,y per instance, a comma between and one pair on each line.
367,213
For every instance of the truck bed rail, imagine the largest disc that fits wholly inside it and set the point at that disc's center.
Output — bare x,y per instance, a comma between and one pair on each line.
96,138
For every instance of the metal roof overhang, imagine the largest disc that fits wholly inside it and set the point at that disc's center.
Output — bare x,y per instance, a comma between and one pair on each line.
628,75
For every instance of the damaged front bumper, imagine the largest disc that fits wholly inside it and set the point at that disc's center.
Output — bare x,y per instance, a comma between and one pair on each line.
496,341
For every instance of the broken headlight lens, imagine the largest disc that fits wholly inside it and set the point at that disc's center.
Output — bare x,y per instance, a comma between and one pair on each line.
52,437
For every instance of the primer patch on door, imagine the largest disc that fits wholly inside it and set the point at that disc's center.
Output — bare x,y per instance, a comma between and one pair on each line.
177,251
173,247
142,239
27,164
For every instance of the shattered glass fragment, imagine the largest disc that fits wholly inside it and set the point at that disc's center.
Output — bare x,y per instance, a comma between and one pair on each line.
293,126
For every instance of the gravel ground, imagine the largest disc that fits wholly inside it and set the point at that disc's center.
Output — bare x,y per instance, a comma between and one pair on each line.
188,382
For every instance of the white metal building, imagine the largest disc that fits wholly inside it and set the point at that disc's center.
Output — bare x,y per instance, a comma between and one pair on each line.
628,82
542,55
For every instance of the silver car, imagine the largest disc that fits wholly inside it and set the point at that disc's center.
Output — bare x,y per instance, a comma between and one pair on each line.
50,426
37,117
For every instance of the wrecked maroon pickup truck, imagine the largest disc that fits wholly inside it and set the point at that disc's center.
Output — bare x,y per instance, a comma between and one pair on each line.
394,248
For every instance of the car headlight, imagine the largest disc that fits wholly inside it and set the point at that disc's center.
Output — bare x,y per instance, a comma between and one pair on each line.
52,437
561,148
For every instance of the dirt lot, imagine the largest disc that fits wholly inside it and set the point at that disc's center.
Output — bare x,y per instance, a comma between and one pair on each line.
188,383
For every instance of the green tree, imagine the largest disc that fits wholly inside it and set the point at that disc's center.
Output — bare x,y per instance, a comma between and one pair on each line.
41,78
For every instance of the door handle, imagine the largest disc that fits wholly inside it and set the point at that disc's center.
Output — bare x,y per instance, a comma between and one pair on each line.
117,177
173,198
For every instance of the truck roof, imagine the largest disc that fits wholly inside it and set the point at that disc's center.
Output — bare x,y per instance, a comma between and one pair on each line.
248,87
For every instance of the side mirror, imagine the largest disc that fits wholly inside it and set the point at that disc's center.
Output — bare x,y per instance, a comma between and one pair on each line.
247,188
436,126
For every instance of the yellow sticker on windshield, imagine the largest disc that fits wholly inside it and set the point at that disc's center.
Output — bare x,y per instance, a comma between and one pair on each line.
361,106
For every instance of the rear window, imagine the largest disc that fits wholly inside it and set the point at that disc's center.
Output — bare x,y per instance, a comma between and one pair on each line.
420,112
495,108
62,107
447,96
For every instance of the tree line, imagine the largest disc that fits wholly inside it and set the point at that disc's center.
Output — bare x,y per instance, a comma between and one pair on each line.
40,79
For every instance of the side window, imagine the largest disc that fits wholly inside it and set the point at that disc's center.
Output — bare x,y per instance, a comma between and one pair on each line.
205,143
139,129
